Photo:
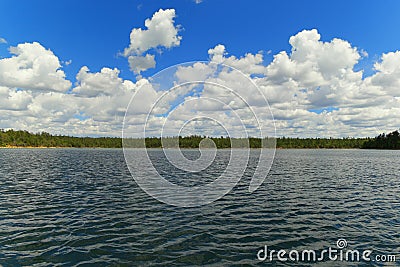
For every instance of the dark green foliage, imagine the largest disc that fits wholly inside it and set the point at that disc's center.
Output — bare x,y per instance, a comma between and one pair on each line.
320,142
43,139
384,141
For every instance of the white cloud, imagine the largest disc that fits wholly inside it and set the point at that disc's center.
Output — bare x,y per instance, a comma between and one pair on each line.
217,53
250,64
106,82
313,91
141,63
12,99
388,74
160,31
313,77
364,53
319,75
3,41
96,106
102,98
313,62
33,67
199,71
53,107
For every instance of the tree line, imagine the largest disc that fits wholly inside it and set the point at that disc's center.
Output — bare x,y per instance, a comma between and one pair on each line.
26,139
384,141
43,139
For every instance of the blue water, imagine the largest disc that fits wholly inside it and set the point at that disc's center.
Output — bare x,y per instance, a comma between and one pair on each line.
79,207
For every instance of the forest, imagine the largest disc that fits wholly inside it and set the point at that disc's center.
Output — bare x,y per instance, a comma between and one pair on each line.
13,138
384,141
26,139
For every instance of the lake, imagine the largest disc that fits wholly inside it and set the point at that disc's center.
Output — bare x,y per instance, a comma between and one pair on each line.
77,207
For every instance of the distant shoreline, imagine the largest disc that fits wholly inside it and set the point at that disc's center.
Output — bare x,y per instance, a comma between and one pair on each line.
191,148
25,139
183,148
52,147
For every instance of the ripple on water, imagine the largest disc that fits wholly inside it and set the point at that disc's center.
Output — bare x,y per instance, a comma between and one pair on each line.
81,206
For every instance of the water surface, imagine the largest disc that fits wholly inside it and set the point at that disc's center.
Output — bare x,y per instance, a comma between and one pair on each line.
72,207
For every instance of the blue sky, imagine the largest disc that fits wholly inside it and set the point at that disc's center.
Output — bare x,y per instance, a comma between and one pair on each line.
328,68
92,33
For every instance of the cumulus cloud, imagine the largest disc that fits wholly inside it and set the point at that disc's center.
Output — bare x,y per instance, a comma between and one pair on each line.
160,33
199,71
106,82
35,95
313,89
12,99
217,54
309,87
53,107
250,63
313,62
319,75
388,73
33,67
141,63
